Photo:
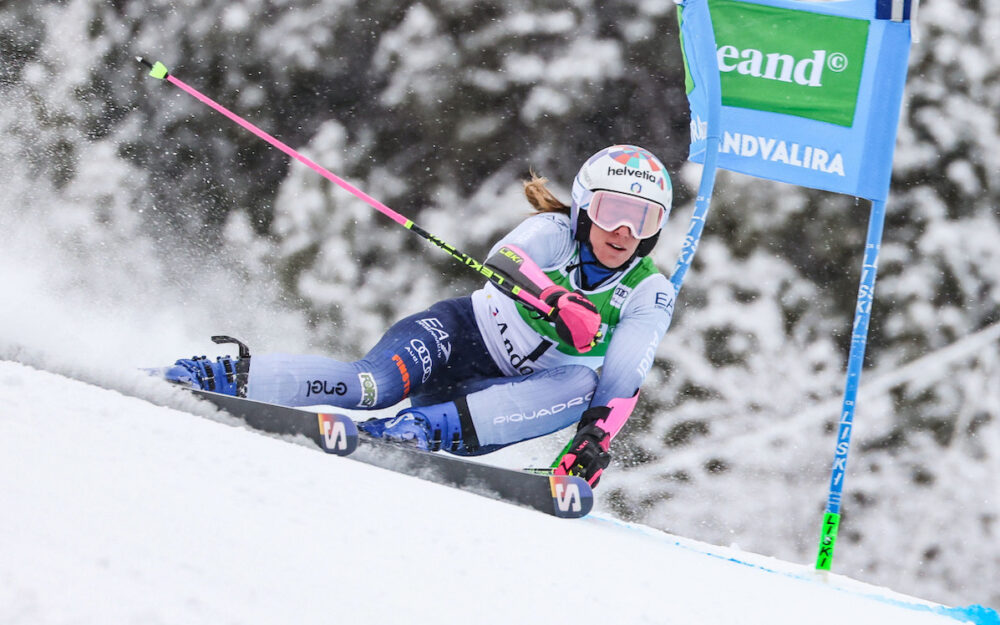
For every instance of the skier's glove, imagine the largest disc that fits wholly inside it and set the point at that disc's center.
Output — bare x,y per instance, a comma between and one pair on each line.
588,454
576,318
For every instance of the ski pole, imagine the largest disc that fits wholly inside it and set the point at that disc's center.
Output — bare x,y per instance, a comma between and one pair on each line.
159,70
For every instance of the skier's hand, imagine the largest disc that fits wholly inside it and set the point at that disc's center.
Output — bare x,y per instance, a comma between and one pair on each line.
576,318
588,454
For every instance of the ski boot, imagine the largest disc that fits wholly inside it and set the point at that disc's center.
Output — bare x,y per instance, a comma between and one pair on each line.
225,375
429,428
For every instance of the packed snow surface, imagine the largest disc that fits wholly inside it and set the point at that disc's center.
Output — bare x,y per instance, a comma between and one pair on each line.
116,510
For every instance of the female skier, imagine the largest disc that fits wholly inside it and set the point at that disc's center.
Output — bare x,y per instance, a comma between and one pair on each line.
488,370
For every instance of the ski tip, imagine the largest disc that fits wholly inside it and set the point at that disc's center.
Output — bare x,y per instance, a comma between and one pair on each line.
338,434
572,496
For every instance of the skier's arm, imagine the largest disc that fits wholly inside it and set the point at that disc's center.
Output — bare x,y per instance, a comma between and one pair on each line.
633,345
629,358
546,237
576,318
539,241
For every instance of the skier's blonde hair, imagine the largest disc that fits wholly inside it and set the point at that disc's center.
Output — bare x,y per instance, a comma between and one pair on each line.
541,198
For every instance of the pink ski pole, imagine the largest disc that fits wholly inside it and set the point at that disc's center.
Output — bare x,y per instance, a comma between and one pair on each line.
159,70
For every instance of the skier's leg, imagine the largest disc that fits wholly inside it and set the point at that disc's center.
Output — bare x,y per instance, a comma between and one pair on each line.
440,342
502,411
302,380
539,404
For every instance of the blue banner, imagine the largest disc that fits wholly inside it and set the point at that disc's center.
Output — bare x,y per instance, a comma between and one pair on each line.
811,91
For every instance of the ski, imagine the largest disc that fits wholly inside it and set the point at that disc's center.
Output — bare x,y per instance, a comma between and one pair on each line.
563,496
333,433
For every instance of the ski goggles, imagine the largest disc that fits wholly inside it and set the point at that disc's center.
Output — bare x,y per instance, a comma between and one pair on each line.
610,211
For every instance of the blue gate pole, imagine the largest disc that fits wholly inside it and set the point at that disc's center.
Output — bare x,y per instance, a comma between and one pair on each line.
699,215
701,54
855,362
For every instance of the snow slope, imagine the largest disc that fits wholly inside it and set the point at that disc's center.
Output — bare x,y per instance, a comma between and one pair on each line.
116,510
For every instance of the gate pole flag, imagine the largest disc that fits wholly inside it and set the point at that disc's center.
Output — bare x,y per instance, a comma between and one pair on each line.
811,93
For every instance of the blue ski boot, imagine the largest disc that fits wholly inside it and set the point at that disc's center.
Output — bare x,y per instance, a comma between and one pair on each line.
221,376
225,375
429,428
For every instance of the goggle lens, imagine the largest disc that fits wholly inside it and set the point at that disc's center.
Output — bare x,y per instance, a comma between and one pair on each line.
611,210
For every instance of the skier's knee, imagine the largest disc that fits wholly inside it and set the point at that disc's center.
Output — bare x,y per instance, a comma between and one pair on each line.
579,377
382,385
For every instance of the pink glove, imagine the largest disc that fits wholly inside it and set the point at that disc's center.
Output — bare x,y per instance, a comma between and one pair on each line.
588,455
576,318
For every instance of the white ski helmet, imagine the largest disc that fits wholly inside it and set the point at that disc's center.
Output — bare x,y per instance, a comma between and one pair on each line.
628,170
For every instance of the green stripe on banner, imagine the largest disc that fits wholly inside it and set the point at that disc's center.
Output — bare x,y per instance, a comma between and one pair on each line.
789,62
